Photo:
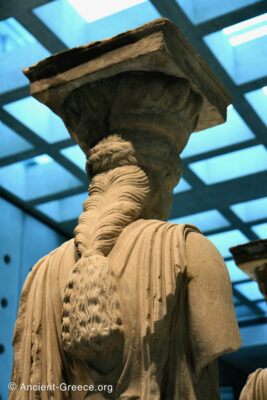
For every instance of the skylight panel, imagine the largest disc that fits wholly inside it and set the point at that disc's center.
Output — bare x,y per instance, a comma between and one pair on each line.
37,177
248,30
241,49
13,35
92,11
231,165
64,209
249,23
182,186
226,392
234,130
75,31
260,230
251,210
44,159
202,10
243,311
258,100
11,143
236,274
76,155
247,36
18,49
227,239
37,117
205,221
263,306
250,290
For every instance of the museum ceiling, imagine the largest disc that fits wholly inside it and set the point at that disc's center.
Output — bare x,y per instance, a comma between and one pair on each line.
224,186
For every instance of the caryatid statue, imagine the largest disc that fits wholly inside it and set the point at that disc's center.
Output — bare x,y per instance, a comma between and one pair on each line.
251,258
133,302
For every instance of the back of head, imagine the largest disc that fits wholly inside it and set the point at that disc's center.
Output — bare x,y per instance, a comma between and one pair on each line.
133,169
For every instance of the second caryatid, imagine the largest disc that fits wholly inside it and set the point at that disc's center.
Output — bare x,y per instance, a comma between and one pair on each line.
133,303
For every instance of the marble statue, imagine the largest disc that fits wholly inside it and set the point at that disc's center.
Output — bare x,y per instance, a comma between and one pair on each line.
251,258
134,307
256,386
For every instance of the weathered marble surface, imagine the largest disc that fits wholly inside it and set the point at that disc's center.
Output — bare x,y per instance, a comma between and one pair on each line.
251,258
256,386
158,46
133,301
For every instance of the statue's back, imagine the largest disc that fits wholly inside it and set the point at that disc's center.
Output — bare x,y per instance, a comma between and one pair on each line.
157,359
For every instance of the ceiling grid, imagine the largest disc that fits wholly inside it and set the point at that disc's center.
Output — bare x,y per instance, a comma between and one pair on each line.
218,195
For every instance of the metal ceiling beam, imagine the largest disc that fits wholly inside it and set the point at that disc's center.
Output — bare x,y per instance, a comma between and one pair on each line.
39,30
253,85
171,10
14,158
221,150
220,195
238,223
32,211
29,4
231,18
8,7
59,195
244,300
14,95
42,146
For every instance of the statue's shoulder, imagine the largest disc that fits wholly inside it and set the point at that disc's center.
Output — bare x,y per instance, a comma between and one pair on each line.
66,250
155,224
256,383
55,266
203,255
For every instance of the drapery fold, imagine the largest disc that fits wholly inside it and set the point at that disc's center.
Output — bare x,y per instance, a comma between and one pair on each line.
158,291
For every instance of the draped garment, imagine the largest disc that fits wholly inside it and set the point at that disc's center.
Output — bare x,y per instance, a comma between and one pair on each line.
169,352
256,386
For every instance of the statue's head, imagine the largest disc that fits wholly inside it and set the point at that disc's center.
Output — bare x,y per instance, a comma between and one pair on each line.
141,119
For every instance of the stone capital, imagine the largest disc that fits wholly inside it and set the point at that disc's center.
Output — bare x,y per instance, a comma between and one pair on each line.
155,49
252,259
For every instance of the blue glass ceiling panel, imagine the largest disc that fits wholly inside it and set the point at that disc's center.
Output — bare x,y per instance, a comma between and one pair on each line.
182,186
202,10
73,30
92,11
18,49
260,230
251,210
37,117
36,177
234,130
226,393
231,165
258,100
236,274
236,300
263,306
228,239
205,221
13,35
64,209
250,290
76,155
11,143
240,51
243,311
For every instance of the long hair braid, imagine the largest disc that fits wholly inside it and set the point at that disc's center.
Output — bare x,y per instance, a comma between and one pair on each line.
91,309
125,169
